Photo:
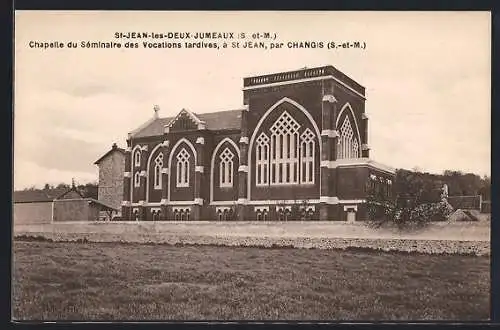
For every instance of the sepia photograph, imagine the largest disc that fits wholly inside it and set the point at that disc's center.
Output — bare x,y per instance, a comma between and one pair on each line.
251,166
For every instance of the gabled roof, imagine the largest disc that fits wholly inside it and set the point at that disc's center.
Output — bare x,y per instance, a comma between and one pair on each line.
113,149
191,115
72,189
38,195
53,193
229,119
220,120
156,127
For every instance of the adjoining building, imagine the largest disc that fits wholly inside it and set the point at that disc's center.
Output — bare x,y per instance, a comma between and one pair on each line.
297,149
72,206
43,207
32,207
110,191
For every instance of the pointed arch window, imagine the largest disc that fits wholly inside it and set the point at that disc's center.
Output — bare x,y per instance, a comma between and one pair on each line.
262,160
157,171
287,157
284,150
226,168
348,146
137,158
182,168
137,179
307,147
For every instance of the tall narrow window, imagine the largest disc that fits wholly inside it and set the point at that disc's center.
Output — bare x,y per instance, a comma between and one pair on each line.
307,162
348,146
137,158
157,171
226,168
262,156
355,148
183,168
284,160
137,179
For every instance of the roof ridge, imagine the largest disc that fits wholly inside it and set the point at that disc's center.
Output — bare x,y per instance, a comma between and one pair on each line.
190,114
108,152
143,126
202,113
215,120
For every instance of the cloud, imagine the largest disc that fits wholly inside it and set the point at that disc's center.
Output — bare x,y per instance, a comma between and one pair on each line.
27,174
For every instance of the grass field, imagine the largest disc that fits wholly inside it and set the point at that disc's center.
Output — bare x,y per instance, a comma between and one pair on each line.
110,281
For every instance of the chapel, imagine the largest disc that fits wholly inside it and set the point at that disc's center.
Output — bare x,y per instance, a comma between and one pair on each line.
296,150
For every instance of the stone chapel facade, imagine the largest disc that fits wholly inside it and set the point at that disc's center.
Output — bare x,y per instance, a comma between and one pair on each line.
297,150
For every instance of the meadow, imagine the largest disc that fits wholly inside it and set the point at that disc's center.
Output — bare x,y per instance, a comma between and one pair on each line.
115,281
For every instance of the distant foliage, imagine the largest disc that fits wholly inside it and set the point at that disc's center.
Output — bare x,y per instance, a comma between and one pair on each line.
416,197
88,190
428,186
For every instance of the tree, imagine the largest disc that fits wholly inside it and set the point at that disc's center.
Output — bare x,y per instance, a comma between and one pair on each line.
416,200
89,190
63,185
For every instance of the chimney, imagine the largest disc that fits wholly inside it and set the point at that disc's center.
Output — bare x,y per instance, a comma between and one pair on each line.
114,146
156,108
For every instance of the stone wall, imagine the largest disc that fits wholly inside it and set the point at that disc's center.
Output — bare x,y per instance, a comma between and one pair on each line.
480,248
438,238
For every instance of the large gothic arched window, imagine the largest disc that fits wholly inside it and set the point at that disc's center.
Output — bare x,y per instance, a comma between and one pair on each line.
348,146
226,168
284,150
285,158
183,168
157,171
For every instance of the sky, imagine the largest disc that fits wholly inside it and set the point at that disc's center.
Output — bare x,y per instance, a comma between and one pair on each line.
427,79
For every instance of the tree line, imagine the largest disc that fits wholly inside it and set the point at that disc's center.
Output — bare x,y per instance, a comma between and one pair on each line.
428,187
87,190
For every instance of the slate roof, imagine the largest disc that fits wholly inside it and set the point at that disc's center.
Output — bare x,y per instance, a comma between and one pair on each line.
39,195
230,119
221,120
31,196
154,128
34,196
